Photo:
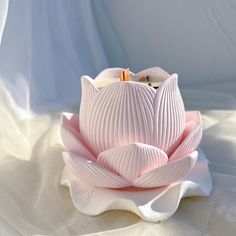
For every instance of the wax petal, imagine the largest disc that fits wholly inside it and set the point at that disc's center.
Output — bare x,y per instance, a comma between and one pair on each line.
121,114
130,161
156,74
191,138
111,73
89,92
167,174
192,116
92,173
70,120
72,143
169,114
71,137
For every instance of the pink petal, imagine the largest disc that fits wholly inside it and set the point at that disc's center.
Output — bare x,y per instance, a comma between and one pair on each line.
169,119
192,116
154,73
167,174
70,119
71,137
92,173
132,160
110,73
73,144
191,138
121,114
89,92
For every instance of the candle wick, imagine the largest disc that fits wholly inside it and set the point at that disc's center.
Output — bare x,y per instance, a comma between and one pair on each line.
124,75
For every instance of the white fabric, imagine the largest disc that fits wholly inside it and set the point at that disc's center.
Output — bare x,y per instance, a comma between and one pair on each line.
47,45
3,15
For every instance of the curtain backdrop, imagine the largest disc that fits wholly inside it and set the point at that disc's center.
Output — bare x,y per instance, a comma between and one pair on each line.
47,45
196,39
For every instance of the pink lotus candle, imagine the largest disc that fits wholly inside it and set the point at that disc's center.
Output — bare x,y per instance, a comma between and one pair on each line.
128,133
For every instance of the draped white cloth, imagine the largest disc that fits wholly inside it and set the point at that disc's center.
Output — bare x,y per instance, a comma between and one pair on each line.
47,45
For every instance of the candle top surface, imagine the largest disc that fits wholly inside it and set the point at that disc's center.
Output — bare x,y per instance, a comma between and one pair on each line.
152,77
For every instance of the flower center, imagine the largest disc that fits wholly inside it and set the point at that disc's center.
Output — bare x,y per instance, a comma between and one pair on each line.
124,76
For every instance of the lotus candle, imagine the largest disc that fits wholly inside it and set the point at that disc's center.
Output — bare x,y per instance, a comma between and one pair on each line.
129,134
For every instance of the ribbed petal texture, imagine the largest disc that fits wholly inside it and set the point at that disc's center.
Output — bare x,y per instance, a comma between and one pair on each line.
167,174
71,137
131,129
92,173
121,114
191,139
130,161
169,113
70,120
73,144
89,91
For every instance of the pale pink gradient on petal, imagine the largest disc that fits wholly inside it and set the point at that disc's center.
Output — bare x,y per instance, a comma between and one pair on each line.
131,129
71,137
191,138
185,144
169,119
130,161
92,173
167,174
121,114
192,116
70,120
89,92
